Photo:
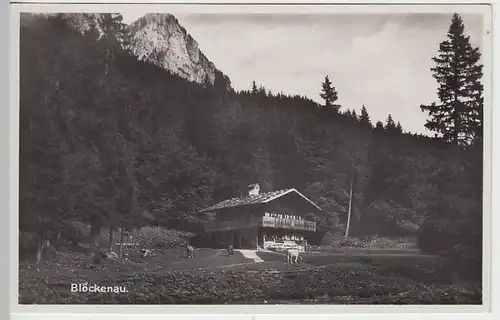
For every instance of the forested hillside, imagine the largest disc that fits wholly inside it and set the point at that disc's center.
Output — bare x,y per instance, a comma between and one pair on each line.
113,141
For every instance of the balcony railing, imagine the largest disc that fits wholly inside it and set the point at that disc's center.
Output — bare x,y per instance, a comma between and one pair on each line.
294,224
268,222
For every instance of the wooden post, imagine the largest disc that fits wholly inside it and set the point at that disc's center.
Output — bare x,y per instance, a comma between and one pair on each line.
110,242
350,207
121,243
256,238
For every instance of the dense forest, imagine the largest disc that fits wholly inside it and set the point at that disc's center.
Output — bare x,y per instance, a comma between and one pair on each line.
112,141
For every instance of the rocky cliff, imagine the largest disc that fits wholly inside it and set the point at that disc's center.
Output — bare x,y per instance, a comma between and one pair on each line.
155,37
160,39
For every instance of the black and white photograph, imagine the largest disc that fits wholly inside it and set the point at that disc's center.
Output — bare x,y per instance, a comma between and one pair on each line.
198,157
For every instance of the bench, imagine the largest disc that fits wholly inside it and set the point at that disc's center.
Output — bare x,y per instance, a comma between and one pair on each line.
127,244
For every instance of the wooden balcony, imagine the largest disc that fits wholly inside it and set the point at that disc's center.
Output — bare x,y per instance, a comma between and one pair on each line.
292,224
267,222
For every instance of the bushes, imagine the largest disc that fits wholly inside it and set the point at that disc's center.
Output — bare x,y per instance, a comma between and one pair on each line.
458,243
151,237
371,242
452,227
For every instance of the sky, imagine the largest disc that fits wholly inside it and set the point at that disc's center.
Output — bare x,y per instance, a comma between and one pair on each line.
381,61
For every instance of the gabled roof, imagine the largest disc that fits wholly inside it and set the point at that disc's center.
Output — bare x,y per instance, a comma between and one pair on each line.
260,198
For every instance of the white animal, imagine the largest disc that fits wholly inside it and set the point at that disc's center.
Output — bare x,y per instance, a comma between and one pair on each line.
190,251
292,255
145,253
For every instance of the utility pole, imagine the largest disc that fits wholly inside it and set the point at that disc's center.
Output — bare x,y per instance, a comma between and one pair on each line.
350,206
121,243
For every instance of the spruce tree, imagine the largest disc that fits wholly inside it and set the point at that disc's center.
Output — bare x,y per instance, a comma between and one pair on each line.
112,24
458,116
354,115
261,91
399,128
329,94
390,125
255,90
364,118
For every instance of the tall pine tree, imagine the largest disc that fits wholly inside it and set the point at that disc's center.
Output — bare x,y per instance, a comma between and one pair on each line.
255,90
364,118
354,115
458,116
399,128
329,94
390,125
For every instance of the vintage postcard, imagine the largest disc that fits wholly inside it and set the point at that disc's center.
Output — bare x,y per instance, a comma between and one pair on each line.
229,157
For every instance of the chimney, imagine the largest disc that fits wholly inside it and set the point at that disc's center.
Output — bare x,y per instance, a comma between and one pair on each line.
253,189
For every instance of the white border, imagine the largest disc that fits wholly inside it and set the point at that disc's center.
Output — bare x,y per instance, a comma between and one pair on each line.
296,310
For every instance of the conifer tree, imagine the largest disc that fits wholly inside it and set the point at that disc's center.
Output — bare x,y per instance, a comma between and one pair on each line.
399,128
262,91
329,94
255,90
112,24
354,115
364,118
390,125
458,116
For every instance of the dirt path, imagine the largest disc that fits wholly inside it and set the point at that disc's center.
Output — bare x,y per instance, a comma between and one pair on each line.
250,254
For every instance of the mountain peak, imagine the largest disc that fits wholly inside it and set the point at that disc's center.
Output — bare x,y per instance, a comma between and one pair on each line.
159,17
159,38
